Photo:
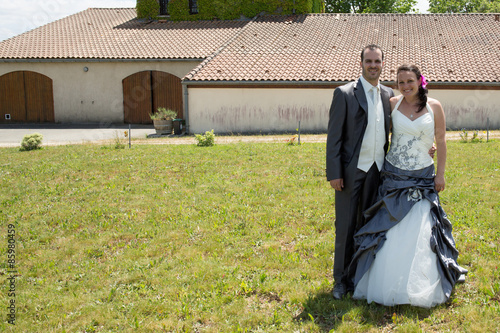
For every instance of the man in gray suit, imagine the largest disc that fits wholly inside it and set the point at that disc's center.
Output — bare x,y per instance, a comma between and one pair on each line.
357,142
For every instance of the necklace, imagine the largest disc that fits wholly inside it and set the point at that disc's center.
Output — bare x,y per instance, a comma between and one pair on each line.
412,108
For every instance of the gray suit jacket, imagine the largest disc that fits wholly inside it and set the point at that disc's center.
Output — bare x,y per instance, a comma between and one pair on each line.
347,125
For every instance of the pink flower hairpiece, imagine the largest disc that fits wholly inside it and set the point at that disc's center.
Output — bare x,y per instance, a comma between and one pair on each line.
424,81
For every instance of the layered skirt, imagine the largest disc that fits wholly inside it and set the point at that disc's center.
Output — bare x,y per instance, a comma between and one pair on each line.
406,252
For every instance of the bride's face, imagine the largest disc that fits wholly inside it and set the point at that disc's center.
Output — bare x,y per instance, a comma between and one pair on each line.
408,83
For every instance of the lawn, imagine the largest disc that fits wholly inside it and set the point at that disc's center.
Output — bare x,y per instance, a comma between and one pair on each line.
231,238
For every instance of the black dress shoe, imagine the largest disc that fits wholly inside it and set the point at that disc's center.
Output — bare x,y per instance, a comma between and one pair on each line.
339,291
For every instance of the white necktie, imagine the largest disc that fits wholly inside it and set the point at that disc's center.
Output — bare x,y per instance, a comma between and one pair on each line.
373,95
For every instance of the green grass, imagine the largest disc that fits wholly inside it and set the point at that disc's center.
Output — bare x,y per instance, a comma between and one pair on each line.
230,238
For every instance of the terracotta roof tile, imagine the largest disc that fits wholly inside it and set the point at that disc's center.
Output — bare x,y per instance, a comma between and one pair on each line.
313,47
326,47
117,34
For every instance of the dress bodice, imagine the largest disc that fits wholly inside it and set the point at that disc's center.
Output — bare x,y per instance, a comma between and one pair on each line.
411,139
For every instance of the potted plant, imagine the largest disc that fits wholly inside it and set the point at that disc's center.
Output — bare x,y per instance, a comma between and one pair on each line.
162,120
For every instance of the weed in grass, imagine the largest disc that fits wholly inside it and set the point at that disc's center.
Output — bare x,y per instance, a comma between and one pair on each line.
475,138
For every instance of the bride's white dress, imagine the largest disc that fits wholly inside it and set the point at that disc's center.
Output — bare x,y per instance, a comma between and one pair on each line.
405,269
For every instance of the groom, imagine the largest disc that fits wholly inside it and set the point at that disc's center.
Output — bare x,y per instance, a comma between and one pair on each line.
357,142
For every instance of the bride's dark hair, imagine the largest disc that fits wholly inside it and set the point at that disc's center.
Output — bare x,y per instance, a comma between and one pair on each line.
422,92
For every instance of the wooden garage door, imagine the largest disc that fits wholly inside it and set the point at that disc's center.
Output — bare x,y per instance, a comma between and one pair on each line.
26,97
144,92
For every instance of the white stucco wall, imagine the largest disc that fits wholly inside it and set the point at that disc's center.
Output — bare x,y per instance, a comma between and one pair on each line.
95,96
469,108
258,109
279,110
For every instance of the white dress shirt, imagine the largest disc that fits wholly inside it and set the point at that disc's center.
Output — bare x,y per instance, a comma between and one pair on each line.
372,147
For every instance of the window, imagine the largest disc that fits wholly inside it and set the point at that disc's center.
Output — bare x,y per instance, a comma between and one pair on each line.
164,7
193,6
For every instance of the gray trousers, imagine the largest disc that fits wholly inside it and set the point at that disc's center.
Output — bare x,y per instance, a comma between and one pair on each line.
359,193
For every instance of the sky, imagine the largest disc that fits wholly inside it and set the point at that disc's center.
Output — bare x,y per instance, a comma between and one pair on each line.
19,16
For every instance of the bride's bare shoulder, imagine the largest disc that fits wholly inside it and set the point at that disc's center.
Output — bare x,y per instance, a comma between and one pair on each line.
394,100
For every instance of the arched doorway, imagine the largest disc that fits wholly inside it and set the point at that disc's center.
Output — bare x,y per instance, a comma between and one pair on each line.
144,92
26,97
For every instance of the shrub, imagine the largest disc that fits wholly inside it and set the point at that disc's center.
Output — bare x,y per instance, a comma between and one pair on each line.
206,140
163,114
31,142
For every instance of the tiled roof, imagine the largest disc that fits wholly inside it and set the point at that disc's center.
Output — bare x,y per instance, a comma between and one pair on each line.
326,47
116,34
312,47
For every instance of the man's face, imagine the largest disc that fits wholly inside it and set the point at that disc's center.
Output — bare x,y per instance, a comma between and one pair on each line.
372,65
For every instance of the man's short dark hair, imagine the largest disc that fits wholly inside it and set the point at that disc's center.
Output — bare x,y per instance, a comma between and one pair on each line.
371,47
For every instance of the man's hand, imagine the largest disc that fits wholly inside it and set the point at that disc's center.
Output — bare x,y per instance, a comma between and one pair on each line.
432,150
337,184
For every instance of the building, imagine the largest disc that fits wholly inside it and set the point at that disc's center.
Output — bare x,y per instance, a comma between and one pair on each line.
266,74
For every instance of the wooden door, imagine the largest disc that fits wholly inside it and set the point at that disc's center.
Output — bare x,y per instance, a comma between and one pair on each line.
39,98
26,97
137,103
167,92
144,92
12,99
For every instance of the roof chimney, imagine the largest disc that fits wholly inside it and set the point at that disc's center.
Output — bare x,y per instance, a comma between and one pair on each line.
497,17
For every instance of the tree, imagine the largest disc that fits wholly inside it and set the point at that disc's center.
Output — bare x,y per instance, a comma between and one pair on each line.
488,6
370,6
452,6
464,6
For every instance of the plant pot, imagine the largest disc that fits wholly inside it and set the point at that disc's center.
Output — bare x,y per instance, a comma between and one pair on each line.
163,127
178,126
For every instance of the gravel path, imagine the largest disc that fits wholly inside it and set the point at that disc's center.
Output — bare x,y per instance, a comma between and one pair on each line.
11,137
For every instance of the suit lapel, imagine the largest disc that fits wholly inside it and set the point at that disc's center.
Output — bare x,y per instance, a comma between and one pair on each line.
385,101
359,92
384,95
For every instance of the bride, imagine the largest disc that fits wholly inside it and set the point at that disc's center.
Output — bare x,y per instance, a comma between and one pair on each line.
406,252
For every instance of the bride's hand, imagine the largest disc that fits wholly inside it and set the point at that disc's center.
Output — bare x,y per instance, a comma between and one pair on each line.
439,183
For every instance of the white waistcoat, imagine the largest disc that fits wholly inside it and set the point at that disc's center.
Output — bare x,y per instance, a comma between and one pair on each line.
372,147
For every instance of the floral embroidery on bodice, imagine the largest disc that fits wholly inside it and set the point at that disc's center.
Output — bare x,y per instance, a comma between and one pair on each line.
411,140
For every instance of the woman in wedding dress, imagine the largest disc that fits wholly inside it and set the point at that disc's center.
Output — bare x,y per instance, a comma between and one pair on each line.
406,252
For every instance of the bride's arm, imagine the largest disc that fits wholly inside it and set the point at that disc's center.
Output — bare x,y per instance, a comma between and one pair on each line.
440,137
393,101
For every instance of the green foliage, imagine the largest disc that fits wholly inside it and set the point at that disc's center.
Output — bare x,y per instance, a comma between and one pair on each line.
234,9
475,137
404,6
206,140
118,140
31,142
293,141
163,114
147,9
318,6
488,6
253,8
369,6
464,6
179,9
